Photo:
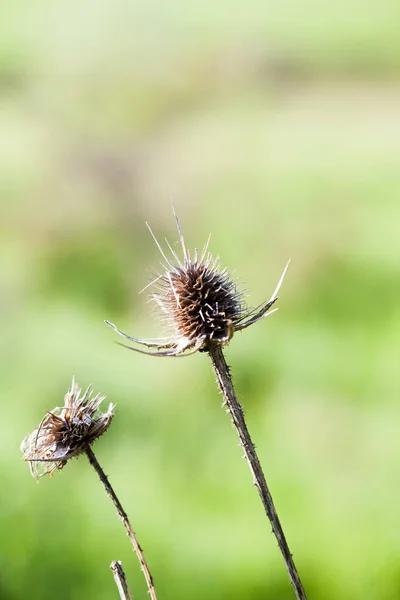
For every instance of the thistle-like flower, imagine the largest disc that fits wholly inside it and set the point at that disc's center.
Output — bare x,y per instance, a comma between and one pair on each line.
68,431
204,308
65,432
201,303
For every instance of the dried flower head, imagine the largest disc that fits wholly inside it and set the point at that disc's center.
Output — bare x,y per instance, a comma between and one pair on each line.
200,302
65,432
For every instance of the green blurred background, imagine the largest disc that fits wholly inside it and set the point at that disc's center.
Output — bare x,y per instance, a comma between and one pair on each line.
275,126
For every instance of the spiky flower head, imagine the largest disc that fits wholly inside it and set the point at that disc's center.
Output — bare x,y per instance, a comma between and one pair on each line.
200,302
65,432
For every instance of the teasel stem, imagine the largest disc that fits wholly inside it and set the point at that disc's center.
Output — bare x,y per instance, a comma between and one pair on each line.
124,518
234,408
120,580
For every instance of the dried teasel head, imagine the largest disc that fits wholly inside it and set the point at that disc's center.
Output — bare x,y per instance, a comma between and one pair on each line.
200,302
65,432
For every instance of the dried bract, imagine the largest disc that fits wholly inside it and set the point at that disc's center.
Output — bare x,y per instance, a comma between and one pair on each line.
200,302
65,432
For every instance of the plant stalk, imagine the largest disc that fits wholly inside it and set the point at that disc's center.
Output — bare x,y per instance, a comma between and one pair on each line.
124,518
225,384
120,580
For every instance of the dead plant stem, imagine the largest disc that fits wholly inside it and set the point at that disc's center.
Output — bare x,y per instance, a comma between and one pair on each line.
120,580
234,408
124,518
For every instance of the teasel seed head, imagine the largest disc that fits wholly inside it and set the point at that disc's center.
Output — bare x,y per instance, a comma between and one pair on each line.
65,432
201,303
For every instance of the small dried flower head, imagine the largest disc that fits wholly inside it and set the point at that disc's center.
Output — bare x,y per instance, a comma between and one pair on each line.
65,432
200,302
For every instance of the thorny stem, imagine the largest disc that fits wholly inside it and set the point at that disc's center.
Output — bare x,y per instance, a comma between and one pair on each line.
120,580
234,408
124,518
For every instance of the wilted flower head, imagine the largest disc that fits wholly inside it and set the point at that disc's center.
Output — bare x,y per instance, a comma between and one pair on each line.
65,432
201,303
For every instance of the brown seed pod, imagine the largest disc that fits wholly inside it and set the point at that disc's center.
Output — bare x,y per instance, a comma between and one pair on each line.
200,302
65,432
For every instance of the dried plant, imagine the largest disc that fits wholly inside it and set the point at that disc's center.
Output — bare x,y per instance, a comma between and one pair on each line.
120,580
65,433
203,308
201,304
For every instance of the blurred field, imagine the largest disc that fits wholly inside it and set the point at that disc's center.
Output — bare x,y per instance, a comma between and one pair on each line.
276,128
